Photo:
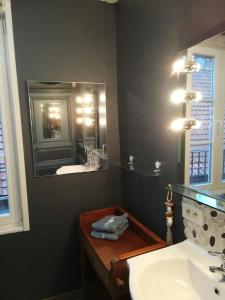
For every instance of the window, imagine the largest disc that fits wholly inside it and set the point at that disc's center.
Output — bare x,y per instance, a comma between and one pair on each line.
205,147
13,193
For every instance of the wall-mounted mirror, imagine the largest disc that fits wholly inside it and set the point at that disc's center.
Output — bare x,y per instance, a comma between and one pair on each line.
205,146
68,126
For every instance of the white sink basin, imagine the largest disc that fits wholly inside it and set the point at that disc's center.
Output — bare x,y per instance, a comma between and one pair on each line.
179,272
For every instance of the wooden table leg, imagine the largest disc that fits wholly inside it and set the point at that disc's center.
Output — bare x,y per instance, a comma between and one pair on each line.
84,273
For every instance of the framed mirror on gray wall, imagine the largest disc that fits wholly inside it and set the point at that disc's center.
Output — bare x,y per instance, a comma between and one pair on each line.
68,127
205,146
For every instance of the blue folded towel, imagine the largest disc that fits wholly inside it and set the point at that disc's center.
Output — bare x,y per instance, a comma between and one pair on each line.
110,223
109,236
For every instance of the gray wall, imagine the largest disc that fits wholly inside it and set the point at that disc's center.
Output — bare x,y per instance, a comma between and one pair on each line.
149,36
72,40
147,42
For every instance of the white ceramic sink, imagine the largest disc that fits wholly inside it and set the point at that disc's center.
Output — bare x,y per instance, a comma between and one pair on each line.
178,272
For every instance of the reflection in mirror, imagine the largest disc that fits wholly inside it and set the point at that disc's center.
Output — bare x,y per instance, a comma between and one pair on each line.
205,146
68,124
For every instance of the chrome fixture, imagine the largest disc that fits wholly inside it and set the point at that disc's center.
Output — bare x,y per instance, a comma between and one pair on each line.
220,270
131,162
157,170
185,124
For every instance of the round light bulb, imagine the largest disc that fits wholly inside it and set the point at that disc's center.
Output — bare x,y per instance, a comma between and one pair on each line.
88,110
178,66
178,124
88,98
57,116
178,96
51,115
79,120
79,100
79,110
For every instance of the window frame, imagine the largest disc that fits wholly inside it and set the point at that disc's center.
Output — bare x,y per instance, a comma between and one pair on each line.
217,117
18,219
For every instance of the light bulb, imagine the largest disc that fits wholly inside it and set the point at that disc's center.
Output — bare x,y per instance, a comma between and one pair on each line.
185,124
88,110
184,66
178,96
51,115
79,100
51,109
57,109
79,110
178,66
182,96
79,120
178,124
57,116
88,98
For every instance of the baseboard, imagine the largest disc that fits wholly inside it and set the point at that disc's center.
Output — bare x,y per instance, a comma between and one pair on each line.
73,295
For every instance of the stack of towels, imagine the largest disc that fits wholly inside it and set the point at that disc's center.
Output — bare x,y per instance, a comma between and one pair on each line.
110,227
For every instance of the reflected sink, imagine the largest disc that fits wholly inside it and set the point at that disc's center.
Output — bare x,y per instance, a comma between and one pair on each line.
74,169
178,272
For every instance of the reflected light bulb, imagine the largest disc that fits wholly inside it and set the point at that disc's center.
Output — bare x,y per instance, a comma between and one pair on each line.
51,115
88,98
51,109
57,116
79,100
57,109
79,120
88,110
79,110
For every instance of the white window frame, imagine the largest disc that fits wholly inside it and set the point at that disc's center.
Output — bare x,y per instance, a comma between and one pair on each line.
18,218
218,116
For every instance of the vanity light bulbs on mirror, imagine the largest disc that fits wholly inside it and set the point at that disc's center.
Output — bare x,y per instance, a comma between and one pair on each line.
181,96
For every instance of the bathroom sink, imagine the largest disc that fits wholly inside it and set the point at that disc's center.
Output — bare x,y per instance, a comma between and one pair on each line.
177,272
74,169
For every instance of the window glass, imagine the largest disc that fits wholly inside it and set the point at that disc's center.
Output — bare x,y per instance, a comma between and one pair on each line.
200,139
4,205
203,80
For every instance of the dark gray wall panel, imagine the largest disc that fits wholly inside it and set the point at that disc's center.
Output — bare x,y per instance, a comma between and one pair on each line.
72,40
147,43
149,36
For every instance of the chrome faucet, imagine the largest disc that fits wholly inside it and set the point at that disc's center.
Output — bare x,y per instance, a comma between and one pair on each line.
220,270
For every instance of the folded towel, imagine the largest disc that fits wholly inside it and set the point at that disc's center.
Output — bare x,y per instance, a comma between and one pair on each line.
109,236
110,223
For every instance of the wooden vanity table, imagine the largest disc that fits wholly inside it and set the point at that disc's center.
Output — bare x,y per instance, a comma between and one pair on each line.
108,258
